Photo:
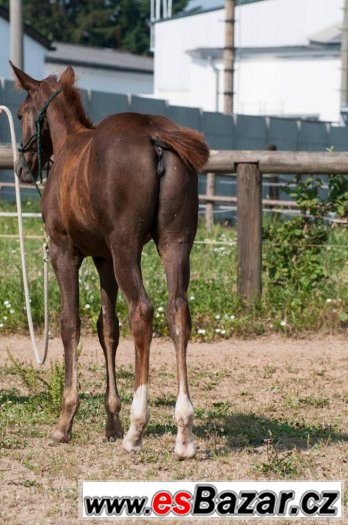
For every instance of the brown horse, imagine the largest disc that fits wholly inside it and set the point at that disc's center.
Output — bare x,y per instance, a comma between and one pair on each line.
112,188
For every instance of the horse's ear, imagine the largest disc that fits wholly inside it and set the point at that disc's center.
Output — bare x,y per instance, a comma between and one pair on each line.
24,81
68,76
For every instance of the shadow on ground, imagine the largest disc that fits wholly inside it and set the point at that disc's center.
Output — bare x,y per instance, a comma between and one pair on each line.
250,430
240,430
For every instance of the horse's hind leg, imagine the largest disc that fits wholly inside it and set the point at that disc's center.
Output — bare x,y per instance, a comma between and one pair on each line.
175,258
128,275
174,234
66,263
108,333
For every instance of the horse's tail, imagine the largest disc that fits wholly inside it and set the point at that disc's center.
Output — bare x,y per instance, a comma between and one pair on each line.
189,144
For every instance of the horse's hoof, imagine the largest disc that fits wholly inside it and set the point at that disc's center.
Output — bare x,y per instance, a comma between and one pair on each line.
113,435
60,436
185,450
113,432
131,446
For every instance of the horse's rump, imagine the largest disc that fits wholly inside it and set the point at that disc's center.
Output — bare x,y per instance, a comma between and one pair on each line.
125,128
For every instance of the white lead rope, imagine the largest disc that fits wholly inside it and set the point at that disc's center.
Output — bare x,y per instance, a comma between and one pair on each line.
40,360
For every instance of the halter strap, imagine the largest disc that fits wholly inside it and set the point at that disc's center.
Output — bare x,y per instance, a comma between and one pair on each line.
37,135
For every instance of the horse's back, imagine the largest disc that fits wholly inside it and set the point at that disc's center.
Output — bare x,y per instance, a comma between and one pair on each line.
134,123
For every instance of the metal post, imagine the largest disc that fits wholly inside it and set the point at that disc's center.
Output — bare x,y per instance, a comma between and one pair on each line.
217,81
16,33
229,56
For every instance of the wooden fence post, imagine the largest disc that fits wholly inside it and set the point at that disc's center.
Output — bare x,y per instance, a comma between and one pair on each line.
209,209
249,231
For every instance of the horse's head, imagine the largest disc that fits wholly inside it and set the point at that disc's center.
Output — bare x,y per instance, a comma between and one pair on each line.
36,139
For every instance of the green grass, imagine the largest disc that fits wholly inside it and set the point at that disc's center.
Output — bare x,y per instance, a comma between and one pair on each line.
216,310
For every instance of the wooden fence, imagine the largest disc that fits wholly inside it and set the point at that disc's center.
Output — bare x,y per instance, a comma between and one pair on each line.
249,167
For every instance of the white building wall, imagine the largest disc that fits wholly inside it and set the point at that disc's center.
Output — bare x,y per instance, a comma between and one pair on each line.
107,80
268,85
284,22
34,54
289,87
206,84
173,38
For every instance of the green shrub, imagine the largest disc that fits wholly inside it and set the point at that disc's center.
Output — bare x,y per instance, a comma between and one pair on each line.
293,254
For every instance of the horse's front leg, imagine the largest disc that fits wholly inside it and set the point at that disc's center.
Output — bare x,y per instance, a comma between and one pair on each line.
66,262
108,333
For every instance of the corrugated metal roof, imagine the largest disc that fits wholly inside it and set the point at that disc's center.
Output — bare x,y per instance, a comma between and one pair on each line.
99,58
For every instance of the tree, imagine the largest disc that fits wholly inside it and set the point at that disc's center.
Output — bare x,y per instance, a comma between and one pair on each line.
117,24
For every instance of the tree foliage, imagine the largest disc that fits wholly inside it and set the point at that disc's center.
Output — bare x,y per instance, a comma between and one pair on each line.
117,24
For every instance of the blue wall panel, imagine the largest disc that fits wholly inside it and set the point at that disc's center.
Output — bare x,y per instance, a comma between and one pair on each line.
250,132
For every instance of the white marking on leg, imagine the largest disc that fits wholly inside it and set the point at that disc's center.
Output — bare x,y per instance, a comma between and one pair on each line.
183,409
184,412
139,409
139,416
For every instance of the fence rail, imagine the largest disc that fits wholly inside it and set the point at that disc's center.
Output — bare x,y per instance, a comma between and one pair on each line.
269,162
278,162
23,186
249,167
6,158
204,199
226,199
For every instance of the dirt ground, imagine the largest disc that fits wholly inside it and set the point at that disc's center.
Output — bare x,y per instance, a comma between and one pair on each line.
269,408
263,350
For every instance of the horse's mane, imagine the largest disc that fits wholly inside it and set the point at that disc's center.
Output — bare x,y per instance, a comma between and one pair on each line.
73,96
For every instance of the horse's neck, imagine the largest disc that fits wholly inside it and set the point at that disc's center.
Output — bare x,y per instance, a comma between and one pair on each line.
62,122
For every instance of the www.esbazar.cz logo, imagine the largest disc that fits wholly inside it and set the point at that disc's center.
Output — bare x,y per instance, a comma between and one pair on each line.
205,499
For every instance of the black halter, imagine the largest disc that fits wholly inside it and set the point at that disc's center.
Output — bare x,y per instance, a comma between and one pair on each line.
37,136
